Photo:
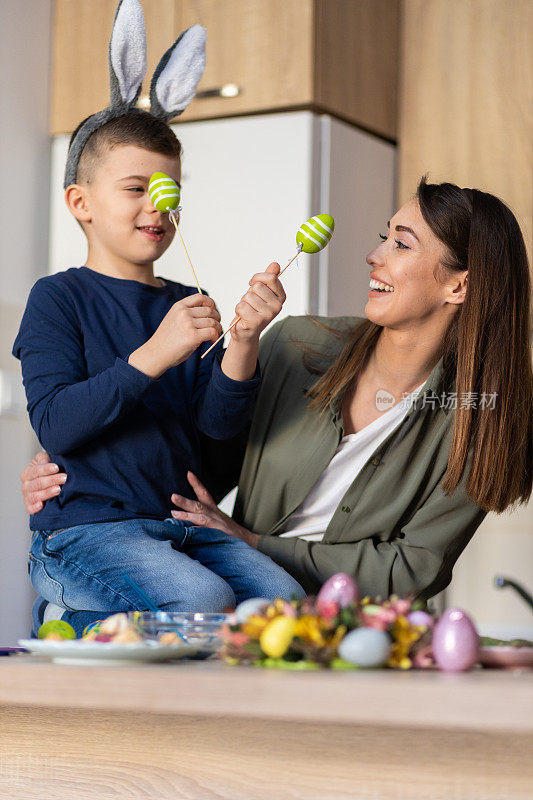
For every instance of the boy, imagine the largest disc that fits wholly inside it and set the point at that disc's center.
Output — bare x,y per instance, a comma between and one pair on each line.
117,394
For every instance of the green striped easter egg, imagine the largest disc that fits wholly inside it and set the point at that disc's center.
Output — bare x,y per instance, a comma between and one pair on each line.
315,234
164,193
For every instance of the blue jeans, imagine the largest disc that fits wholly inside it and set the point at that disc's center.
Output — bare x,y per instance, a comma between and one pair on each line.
179,566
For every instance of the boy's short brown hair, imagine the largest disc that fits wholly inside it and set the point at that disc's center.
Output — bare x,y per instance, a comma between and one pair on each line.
134,127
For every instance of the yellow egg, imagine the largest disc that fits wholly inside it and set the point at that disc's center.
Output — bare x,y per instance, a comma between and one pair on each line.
276,638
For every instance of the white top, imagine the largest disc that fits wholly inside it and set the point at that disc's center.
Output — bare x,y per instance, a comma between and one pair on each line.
310,520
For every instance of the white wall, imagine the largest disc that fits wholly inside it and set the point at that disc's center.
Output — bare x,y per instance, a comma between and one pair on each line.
358,189
24,219
502,545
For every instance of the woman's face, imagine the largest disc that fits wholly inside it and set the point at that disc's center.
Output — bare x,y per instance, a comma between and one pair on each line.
408,260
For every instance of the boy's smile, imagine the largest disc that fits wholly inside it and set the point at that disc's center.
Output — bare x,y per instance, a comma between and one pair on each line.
125,232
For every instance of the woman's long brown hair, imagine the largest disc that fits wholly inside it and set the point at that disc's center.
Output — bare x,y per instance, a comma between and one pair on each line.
486,347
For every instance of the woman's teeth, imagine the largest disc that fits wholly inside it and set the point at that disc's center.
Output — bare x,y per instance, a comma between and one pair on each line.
380,286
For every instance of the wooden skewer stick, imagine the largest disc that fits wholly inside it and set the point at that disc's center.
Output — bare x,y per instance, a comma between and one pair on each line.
173,218
235,321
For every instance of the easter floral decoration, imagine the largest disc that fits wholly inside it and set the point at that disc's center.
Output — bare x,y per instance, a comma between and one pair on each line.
336,630
404,636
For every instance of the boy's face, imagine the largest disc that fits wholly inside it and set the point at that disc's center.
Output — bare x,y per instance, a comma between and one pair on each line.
119,209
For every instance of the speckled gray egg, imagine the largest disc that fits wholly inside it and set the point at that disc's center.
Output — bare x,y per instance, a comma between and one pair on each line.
365,647
254,605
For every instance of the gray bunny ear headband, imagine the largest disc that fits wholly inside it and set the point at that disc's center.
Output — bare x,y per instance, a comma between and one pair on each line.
173,84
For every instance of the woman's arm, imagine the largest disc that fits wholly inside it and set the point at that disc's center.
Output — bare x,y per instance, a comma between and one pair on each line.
418,560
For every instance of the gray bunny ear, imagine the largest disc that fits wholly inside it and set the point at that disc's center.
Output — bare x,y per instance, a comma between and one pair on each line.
127,67
178,73
127,54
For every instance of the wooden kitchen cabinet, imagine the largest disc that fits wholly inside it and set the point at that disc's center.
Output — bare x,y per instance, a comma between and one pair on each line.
466,103
337,56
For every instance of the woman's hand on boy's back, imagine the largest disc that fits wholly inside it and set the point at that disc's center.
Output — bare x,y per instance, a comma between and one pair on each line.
40,481
189,322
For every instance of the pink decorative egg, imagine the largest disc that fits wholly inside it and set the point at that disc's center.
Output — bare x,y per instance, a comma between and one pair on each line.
455,641
340,588
420,618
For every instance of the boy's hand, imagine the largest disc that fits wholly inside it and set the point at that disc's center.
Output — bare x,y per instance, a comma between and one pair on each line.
40,480
189,322
260,305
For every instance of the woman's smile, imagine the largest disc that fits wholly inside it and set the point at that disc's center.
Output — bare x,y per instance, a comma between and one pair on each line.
378,288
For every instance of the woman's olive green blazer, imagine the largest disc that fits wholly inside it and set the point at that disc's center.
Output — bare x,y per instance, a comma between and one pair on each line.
394,531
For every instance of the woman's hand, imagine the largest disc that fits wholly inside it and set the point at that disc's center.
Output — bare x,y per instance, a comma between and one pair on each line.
204,513
40,480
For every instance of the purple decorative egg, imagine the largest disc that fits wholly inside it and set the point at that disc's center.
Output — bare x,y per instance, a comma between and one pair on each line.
420,618
455,641
340,588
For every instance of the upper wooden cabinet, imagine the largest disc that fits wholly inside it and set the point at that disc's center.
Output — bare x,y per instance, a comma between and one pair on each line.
337,56
467,116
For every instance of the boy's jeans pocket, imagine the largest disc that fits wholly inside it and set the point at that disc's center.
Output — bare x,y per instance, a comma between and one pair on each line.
44,583
42,569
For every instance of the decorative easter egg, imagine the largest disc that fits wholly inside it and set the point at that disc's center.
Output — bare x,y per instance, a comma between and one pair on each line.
365,647
115,623
276,638
254,605
58,628
164,193
316,233
371,610
92,626
455,641
340,589
104,637
421,618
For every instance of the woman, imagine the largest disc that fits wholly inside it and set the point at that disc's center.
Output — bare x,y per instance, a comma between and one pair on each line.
341,474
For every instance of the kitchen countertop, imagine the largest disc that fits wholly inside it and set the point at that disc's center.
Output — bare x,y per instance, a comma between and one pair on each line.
208,731
497,700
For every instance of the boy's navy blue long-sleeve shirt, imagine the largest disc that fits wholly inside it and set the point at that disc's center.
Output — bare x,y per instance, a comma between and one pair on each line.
125,441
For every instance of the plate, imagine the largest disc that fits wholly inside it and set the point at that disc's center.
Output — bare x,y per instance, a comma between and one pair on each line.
77,651
506,657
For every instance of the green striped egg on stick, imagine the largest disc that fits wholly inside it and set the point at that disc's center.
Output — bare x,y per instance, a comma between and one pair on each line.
165,195
311,237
